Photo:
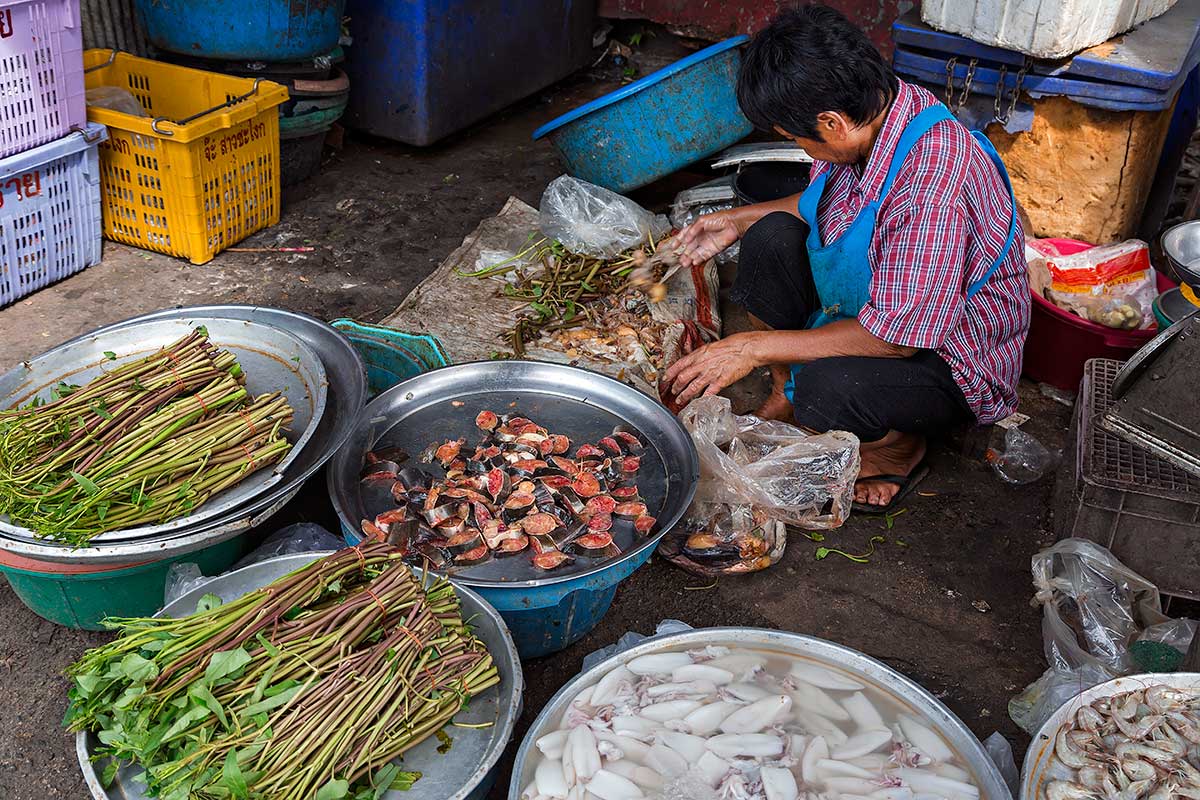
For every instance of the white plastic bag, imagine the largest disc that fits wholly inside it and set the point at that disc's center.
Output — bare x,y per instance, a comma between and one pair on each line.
1114,285
115,98
631,639
303,537
594,221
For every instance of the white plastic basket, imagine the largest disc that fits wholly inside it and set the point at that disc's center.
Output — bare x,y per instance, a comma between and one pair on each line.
1041,28
49,212
41,73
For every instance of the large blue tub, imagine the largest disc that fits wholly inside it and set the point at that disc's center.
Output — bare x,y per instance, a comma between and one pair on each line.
263,30
655,125
423,69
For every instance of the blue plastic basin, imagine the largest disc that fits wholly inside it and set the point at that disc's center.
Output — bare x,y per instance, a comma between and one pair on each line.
265,30
546,619
656,125
392,356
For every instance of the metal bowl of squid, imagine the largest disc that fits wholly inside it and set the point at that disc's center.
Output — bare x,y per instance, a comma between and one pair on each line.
1041,767
466,772
901,693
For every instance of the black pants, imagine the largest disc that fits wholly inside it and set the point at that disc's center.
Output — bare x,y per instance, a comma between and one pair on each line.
866,396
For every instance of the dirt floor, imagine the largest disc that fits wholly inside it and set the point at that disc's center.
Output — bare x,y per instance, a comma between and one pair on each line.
944,600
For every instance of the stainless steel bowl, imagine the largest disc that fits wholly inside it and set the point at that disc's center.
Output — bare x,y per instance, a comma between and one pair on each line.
345,397
442,404
465,773
1039,766
878,675
1181,245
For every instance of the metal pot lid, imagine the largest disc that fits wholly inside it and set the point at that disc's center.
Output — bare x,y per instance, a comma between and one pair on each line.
1143,358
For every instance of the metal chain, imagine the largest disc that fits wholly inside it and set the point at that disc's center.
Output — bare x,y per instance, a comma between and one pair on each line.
966,88
951,63
997,114
1016,93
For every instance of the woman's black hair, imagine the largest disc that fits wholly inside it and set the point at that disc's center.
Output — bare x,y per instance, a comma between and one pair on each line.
811,60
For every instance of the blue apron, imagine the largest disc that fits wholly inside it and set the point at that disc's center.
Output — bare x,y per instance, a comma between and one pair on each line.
841,270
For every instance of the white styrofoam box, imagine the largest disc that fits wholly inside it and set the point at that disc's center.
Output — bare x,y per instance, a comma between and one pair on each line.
1040,28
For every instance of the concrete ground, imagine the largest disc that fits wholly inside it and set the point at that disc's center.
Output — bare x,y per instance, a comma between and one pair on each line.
944,600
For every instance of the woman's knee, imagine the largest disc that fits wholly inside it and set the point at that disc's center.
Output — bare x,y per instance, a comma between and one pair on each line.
774,238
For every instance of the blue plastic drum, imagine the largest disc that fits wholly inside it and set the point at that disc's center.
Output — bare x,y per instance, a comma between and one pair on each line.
264,30
655,125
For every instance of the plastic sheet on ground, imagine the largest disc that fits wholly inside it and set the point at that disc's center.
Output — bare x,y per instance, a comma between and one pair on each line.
469,316
756,476
1097,613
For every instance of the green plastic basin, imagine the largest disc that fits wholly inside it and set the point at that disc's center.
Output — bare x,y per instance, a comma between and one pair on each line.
84,599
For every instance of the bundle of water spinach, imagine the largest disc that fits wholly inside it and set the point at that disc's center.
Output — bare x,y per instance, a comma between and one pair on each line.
308,688
144,443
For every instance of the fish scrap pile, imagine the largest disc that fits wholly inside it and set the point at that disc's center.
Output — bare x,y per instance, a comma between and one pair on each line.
573,291
520,489
718,723
1139,744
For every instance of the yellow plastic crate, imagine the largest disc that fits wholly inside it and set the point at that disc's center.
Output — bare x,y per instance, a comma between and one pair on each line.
200,173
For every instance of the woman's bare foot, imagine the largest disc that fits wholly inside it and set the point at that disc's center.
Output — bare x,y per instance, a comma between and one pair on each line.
777,407
895,454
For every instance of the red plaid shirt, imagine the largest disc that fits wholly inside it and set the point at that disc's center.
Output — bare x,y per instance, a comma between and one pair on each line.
937,232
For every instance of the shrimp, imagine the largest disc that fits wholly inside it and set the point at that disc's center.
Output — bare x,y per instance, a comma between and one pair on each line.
1068,790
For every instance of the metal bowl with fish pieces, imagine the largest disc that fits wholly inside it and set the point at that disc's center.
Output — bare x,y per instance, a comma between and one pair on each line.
442,406
465,772
1042,767
869,699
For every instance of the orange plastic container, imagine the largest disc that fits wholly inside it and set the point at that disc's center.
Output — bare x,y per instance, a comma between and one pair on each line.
201,172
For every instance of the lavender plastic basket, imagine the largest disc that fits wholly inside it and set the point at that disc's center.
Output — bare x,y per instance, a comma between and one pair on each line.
49,212
41,73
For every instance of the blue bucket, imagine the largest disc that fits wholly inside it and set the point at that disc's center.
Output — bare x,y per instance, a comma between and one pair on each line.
392,356
244,30
546,619
655,125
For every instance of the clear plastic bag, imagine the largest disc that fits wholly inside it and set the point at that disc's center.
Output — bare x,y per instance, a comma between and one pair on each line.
1094,608
1114,285
303,537
116,99
682,216
594,221
1024,459
756,476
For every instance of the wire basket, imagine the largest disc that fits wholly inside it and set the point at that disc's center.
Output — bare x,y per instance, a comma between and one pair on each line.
201,172
49,213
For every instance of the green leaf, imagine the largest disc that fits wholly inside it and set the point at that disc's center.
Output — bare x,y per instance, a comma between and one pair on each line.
87,683
208,602
447,741
281,687
202,330
635,39
225,663
101,410
569,314
404,781
202,694
232,777
102,510
189,718
334,790
283,698
542,309
85,484
271,649
110,773
538,291
138,669
110,355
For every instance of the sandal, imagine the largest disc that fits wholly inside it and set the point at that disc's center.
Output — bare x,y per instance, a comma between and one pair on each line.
906,483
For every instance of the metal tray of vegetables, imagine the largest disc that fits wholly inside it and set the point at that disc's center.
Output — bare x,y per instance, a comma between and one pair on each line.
515,472
271,359
458,764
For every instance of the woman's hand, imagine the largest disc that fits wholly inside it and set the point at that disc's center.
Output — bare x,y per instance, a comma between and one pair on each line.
711,368
706,237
